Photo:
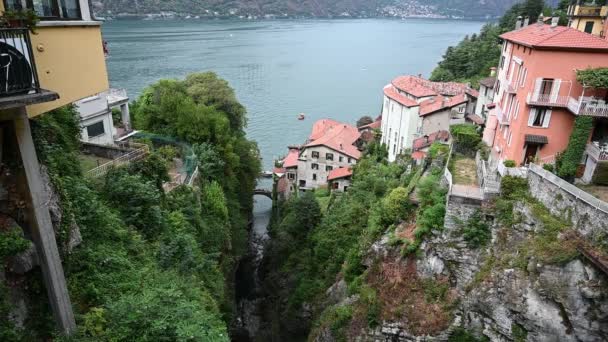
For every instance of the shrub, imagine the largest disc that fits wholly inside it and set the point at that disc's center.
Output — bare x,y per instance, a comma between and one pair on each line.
438,149
12,242
462,335
466,137
513,187
549,167
396,205
510,163
476,231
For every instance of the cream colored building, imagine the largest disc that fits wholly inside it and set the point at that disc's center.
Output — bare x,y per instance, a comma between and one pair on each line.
587,16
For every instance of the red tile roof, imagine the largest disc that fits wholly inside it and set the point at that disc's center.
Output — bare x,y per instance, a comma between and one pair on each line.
392,93
559,37
420,87
374,125
423,142
475,118
278,171
292,158
342,172
340,137
440,103
418,155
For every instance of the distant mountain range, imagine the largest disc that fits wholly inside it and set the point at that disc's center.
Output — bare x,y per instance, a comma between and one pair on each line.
302,8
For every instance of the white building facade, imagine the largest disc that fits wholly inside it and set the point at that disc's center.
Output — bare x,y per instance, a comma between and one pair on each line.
414,107
96,122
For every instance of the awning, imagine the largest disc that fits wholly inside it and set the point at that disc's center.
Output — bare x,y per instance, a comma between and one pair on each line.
536,139
475,118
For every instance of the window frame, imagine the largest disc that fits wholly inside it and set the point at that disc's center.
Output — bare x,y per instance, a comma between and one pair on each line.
328,168
314,166
103,129
316,154
329,156
29,4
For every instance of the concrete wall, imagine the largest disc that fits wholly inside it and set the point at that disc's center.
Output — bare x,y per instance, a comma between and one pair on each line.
588,214
305,171
439,121
343,184
108,126
103,151
486,96
399,127
458,210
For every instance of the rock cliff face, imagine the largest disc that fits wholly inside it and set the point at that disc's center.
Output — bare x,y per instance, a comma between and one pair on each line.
491,292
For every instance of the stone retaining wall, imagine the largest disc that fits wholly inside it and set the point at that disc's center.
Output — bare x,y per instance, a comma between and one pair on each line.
459,209
588,214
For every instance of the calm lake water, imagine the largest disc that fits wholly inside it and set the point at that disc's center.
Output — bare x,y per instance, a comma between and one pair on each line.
324,68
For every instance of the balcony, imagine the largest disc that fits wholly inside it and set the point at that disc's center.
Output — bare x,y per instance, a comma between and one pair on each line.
596,152
501,116
19,84
547,100
588,106
588,11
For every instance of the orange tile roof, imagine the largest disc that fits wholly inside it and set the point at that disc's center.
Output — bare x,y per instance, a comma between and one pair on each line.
321,127
439,103
392,93
558,37
420,87
340,137
342,172
427,141
418,155
374,125
292,158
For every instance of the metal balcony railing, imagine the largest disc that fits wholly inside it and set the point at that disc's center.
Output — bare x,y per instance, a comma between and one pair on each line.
588,106
596,153
549,100
501,116
18,75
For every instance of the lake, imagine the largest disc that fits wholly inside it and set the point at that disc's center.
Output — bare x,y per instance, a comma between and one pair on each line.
323,68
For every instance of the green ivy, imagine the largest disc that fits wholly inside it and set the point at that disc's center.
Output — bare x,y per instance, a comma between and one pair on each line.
12,242
595,78
568,162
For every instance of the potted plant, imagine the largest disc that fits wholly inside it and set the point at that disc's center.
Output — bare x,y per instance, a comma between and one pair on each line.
20,19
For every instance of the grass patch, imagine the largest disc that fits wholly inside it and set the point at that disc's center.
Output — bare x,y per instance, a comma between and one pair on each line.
464,170
89,162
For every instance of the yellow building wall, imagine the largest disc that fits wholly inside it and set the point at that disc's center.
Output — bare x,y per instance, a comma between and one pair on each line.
71,62
580,22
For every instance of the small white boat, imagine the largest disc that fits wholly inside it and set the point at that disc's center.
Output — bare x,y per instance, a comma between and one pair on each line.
301,116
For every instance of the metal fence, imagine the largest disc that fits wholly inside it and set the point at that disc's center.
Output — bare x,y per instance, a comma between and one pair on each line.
18,73
130,157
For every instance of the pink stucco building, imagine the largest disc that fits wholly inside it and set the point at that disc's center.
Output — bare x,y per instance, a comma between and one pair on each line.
538,97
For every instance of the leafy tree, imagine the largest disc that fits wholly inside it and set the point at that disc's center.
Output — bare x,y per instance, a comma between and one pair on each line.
364,120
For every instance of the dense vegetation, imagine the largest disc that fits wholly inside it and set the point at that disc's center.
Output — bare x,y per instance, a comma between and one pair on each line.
152,266
472,58
307,8
322,237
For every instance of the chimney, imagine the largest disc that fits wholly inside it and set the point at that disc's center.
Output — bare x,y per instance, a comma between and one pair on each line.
554,21
493,72
526,21
518,23
541,20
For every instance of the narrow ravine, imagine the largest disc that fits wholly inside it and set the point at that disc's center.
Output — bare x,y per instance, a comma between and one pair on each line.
249,295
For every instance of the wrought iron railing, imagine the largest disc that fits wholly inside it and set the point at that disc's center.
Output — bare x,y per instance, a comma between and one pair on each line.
537,99
588,106
18,75
126,159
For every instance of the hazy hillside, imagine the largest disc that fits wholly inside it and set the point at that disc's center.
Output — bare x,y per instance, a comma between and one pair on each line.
307,8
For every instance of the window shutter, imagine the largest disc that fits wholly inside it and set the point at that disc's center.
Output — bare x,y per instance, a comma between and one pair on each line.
547,119
555,90
537,86
532,115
